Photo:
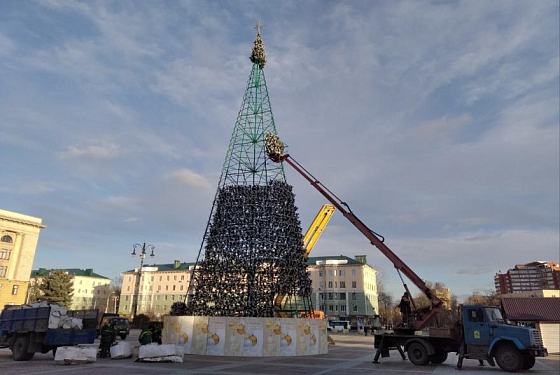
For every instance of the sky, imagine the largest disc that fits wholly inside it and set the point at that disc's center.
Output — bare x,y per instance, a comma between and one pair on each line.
436,121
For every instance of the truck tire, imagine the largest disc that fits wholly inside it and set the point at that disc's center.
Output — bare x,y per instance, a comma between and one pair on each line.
19,350
509,358
438,357
418,354
528,361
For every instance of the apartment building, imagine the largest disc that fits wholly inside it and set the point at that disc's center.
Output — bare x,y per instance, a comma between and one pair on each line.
19,235
159,286
91,290
344,288
538,275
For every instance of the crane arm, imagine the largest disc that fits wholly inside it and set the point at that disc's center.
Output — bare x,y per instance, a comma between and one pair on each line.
277,155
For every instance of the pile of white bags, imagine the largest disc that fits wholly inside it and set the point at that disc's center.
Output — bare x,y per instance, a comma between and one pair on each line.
59,315
72,355
122,350
161,353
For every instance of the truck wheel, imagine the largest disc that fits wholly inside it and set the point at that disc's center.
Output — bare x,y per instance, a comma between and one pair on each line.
418,354
528,361
123,337
438,357
19,351
509,358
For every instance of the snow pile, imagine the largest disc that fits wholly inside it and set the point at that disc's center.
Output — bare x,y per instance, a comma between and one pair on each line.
71,355
122,350
161,353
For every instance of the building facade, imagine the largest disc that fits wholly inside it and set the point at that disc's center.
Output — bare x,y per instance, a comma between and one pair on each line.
527,277
344,288
91,291
19,235
157,288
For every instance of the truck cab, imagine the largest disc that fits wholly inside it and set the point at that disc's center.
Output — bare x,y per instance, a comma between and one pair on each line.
486,336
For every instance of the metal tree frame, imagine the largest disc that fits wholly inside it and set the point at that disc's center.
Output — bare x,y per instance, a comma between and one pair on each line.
253,239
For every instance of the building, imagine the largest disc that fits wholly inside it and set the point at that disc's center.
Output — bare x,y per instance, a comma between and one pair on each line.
91,291
543,313
159,286
344,288
543,293
19,235
526,277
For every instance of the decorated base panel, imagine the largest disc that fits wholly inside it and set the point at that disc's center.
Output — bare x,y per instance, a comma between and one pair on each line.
246,337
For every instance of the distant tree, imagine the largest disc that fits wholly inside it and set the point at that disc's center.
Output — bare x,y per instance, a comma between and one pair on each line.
385,299
490,298
34,291
57,288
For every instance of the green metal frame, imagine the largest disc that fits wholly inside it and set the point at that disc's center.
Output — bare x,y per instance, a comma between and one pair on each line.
246,160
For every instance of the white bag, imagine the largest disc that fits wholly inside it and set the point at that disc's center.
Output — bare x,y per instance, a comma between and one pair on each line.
161,353
71,355
122,350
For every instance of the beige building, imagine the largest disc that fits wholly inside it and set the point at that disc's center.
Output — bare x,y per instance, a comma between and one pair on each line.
91,291
159,286
546,293
344,288
18,240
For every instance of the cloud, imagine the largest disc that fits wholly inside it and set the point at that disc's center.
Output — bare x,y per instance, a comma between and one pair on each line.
104,151
130,220
191,178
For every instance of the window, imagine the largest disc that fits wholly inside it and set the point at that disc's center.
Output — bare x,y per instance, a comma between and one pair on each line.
175,278
353,284
343,296
181,287
330,272
182,277
330,308
343,284
321,285
129,279
15,290
3,270
167,287
476,315
5,254
336,308
330,296
173,287
159,288
330,284
128,289
342,273
342,308
160,278
355,308
167,278
335,284
353,272
166,297
7,239
354,296
322,295
320,273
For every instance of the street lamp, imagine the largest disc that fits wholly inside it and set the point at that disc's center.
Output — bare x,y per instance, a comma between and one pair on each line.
142,254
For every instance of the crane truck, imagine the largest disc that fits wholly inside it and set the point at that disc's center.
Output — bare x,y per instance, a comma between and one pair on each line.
480,331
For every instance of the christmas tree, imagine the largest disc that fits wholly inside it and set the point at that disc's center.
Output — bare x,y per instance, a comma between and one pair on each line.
253,248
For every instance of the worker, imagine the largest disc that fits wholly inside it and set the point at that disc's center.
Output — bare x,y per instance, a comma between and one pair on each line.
156,334
145,336
366,329
108,336
404,306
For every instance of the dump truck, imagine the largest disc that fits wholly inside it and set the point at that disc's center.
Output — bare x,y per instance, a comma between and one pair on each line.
25,330
479,333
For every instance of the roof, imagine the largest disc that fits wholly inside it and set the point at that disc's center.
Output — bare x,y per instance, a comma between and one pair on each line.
312,261
167,267
21,218
540,309
71,271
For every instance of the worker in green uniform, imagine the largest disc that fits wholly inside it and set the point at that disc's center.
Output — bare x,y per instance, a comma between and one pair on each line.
145,336
156,334
108,336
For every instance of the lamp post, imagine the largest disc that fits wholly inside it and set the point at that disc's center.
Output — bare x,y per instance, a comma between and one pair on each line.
142,255
108,298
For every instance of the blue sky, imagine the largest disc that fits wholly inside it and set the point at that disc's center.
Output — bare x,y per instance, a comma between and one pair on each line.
437,121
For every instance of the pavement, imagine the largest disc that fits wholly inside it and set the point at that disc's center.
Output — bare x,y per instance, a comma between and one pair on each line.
352,354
